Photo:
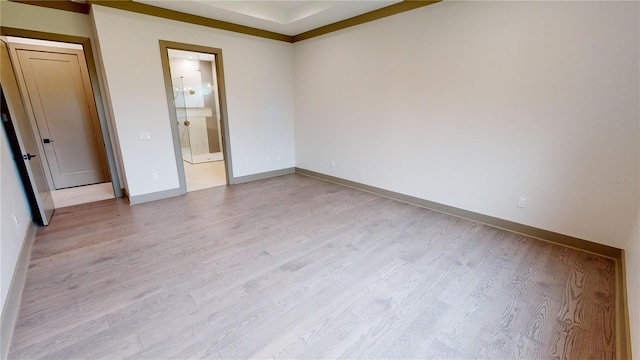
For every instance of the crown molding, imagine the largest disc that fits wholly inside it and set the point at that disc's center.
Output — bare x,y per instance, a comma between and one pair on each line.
130,5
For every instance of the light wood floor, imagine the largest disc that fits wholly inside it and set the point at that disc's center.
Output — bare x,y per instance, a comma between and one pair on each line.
82,194
294,267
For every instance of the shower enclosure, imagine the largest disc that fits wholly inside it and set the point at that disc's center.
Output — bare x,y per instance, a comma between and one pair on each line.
195,94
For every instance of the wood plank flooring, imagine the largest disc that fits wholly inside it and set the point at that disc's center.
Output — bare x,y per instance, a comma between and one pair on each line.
295,267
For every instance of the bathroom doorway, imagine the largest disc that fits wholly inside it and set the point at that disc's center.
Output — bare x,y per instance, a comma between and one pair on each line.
198,113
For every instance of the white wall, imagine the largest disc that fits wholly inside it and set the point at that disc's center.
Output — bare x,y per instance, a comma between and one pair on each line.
259,88
474,104
14,203
37,18
632,262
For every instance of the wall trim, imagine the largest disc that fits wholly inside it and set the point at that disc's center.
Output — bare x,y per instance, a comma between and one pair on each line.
158,195
165,46
140,8
545,235
125,195
264,175
398,8
622,329
11,307
65,5
165,194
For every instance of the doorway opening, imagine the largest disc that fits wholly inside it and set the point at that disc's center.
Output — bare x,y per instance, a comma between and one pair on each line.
58,94
195,93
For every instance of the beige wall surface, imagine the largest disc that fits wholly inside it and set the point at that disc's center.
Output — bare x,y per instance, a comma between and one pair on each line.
259,89
37,18
476,104
15,215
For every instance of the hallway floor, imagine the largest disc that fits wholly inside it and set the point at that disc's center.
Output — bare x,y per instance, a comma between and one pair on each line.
82,194
204,175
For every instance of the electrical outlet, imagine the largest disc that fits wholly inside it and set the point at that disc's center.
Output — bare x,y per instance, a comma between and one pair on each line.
15,218
333,163
155,176
522,202
278,157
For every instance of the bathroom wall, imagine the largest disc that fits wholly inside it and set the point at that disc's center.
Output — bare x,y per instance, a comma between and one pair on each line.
207,68
193,75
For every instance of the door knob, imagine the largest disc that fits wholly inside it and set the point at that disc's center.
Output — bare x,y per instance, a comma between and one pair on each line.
28,156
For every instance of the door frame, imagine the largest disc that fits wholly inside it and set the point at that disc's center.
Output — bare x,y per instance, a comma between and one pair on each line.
15,48
21,141
95,87
16,152
222,98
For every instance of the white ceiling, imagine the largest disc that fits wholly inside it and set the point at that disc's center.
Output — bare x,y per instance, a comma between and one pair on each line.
284,17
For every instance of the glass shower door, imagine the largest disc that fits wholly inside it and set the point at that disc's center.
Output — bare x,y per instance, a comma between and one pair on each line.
182,116
196,98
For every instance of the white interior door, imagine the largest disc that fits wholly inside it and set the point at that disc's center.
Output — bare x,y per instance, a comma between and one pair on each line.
60,96
14,112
